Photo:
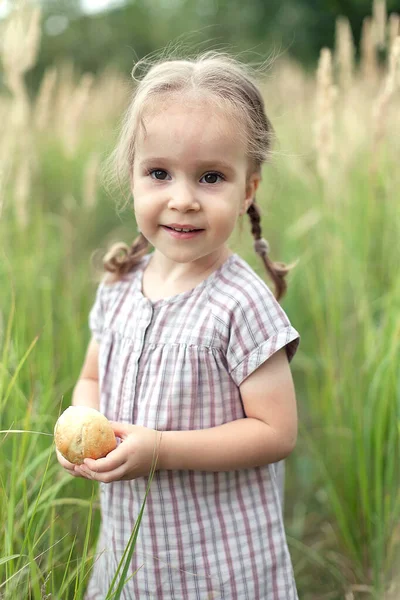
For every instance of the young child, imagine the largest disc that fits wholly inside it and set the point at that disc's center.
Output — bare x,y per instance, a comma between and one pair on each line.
191,350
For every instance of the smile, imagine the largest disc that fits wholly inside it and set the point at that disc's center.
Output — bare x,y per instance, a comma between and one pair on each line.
176,229
182,234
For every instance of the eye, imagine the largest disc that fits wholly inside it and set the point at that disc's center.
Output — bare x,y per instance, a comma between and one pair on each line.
212,177
158,174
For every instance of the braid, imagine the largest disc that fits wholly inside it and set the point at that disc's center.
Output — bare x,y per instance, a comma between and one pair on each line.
121,258
255,220
276,270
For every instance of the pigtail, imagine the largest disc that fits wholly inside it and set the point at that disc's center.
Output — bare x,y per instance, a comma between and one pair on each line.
121,258
276,270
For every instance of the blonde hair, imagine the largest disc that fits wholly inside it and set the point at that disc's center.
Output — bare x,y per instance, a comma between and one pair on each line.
231,86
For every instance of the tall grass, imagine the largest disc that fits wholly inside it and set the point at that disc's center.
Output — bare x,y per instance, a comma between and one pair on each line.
329,197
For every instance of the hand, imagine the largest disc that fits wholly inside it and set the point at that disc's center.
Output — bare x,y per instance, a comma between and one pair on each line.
132,458
69,467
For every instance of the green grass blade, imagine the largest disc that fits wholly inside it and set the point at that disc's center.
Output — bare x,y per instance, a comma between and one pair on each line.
127,556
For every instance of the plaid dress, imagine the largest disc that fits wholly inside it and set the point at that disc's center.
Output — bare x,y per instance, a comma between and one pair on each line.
176,364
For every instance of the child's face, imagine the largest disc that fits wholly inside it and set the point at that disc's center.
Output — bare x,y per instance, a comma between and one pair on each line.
191,170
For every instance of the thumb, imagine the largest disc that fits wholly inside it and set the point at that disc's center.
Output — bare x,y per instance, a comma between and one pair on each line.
121,430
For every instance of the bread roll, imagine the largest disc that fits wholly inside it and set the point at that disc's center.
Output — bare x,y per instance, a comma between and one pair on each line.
82,432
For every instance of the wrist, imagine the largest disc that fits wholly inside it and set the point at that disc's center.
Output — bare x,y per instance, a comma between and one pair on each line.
162,451
86,393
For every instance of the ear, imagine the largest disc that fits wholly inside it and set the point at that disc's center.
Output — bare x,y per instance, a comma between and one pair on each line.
251,187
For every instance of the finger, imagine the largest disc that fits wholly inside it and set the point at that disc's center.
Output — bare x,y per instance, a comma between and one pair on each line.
80,472
64,462
74,473
69,467
121,430
108,477
112,461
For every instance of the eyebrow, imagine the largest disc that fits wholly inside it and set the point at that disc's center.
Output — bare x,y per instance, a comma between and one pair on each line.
218,163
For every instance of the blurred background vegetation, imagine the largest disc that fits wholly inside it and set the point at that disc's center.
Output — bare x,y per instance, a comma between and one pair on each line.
120,31
328,198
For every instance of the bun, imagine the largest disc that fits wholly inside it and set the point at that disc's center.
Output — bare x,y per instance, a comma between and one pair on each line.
82,432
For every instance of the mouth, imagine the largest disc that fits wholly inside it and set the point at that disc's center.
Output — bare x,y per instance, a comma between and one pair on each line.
182,233
182,228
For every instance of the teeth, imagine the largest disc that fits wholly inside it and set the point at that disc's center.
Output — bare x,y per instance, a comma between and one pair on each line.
185,230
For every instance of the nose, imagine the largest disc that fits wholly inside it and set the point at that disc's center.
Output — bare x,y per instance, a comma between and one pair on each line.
183,198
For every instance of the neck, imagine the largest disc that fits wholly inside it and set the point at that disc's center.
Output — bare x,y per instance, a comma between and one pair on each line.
171,271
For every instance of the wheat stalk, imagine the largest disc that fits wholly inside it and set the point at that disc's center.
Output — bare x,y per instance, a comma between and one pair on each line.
70,131
90,181
18,51
63,93
394,28
323,126
344,52
379,19
369,63
44,98
8,149
109,97
380,108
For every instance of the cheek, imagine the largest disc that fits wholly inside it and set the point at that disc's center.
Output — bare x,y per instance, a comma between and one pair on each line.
146,210
225,216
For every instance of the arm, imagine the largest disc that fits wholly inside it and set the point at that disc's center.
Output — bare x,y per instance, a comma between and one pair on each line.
86,390
267,435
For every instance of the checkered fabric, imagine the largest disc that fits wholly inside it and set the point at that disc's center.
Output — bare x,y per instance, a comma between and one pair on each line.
177,364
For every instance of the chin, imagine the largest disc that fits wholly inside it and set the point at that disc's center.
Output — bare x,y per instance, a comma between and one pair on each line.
182,256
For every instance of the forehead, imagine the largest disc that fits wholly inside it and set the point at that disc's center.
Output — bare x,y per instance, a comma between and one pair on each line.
191,128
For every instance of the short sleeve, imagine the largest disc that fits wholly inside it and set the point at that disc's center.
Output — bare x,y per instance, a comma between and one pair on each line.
96,315
259,327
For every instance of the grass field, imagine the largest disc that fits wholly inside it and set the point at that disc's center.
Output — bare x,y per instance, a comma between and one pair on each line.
328,198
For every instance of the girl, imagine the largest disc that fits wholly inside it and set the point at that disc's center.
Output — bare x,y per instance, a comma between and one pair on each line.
191,350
